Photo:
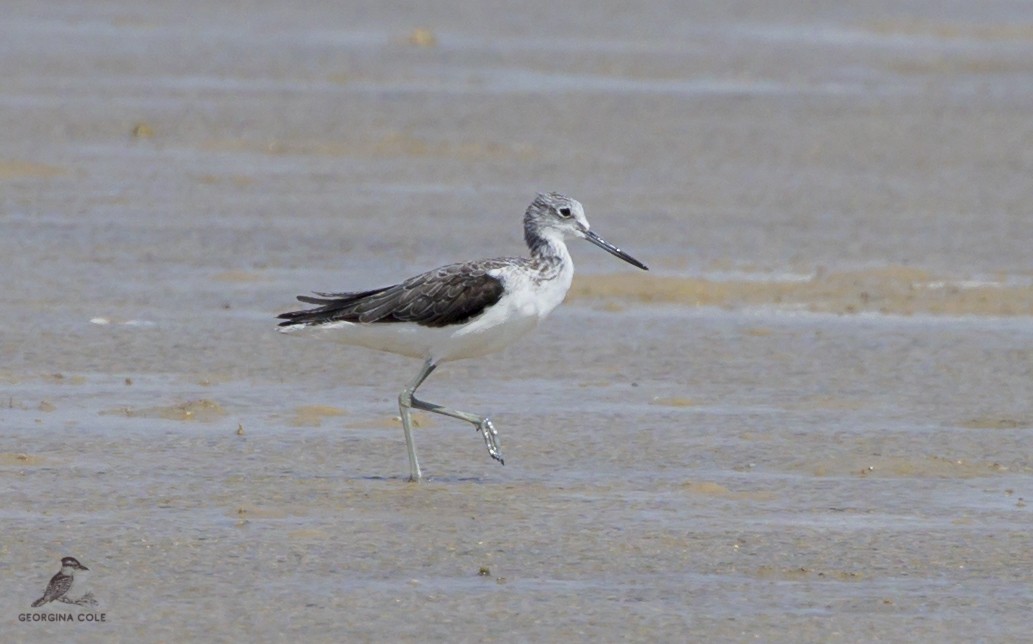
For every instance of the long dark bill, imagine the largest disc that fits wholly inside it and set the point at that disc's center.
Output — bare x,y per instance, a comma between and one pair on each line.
613,250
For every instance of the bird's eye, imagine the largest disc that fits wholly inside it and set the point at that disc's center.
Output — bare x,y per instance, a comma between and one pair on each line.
565,212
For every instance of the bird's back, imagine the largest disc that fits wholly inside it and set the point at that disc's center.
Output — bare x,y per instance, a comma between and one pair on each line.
58,586
446,296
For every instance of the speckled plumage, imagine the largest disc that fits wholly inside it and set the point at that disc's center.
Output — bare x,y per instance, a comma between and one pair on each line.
445,296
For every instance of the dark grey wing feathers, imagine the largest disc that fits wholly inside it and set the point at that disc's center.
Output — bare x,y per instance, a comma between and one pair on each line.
58,586
449,295
338,298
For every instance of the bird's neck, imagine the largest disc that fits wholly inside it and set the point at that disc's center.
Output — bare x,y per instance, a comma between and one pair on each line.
548,250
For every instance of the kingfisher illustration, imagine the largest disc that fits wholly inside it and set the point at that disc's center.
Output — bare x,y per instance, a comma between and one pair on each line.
61,583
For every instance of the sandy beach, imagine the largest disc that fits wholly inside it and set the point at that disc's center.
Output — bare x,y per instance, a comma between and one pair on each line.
811,421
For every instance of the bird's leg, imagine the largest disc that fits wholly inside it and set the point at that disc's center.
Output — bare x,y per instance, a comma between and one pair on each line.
408,401
481,423
405,404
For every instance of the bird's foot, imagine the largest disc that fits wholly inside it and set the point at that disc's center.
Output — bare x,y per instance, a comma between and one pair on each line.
491,439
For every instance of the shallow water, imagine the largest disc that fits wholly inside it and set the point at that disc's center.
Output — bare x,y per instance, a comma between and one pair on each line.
810,421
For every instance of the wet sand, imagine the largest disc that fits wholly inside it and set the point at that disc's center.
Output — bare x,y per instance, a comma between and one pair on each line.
810,421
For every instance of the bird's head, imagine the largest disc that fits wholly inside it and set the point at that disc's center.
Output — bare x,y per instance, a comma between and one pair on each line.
554,213
73,563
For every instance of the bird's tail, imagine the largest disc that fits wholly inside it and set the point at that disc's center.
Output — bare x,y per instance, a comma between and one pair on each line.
332,306
39,602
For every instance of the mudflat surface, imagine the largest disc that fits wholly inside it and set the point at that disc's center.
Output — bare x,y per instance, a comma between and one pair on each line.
811,421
